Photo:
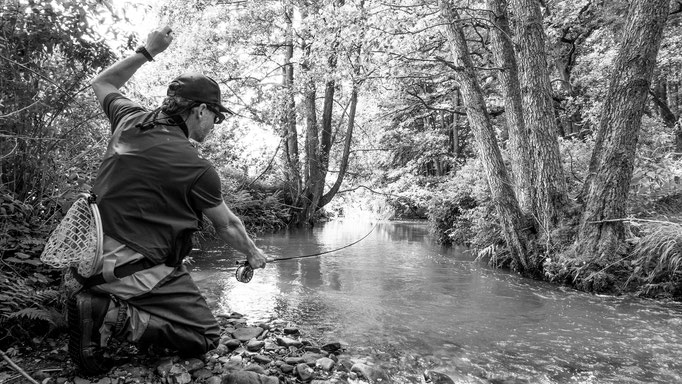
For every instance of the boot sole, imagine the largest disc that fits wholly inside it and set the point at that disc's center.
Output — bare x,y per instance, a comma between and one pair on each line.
87,357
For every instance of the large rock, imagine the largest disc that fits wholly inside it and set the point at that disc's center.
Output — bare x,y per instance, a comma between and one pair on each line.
232,344
325,363
437,378
332,347
247,333
304,372
178,375
311,358
294,360
254,345
369,372
163,366
262,359
288,342
193,364
246,377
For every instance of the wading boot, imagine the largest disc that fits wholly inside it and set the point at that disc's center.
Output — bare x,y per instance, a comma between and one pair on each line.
86,312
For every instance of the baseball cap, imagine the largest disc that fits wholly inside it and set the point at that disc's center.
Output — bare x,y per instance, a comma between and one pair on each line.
197,87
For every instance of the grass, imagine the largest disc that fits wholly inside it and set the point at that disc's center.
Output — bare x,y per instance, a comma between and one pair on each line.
657,259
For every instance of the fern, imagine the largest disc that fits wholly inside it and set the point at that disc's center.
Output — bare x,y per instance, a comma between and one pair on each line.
658,258
32,314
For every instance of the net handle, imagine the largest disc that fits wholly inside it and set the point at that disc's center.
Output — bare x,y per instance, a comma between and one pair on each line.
92,202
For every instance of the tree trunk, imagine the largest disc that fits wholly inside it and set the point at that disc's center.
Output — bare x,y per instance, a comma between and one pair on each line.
508,210
455,126
312,141
327,121
288,121
521,156
357,68
674,99
343,166
614,153
550,195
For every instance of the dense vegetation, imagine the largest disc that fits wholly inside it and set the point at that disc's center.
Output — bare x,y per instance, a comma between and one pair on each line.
344,106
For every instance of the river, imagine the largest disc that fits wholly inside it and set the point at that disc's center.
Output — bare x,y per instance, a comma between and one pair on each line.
411,304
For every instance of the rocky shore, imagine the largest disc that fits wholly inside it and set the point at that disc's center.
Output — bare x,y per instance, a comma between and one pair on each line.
263,353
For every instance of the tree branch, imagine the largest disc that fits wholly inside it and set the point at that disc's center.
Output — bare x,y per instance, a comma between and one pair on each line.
371,190
17,368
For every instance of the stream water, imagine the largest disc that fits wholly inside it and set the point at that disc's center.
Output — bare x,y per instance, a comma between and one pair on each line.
411,304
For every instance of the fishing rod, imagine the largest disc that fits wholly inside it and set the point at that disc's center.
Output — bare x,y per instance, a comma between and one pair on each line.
244,272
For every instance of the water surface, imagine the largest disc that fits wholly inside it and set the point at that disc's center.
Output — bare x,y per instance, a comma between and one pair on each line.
412,304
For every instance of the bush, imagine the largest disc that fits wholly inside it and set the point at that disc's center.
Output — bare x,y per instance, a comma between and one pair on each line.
657,260
658,169
461,213
30,306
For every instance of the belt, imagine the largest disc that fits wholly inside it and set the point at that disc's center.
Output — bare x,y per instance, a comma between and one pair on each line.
119,273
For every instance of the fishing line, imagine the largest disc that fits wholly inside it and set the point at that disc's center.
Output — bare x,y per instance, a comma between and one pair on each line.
244,272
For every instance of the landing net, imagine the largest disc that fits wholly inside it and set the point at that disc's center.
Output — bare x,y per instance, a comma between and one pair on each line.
77,240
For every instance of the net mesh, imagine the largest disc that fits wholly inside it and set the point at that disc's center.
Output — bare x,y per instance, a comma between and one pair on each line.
76,240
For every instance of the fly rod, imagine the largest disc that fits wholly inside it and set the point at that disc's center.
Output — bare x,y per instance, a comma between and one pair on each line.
244,272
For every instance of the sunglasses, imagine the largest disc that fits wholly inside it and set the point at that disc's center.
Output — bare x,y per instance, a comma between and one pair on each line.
219,116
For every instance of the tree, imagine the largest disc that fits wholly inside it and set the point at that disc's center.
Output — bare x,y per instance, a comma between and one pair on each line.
43,73
505,59
602,230
505,202
550,198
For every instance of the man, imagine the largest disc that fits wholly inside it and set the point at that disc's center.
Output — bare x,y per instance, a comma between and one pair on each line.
152,189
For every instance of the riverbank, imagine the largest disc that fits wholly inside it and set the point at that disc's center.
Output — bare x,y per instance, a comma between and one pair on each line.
265,353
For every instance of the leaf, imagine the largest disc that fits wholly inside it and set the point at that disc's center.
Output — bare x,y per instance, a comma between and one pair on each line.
34,314
27,261
22,255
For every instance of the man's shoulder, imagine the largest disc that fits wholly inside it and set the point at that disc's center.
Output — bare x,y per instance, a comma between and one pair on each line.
120,109
117,97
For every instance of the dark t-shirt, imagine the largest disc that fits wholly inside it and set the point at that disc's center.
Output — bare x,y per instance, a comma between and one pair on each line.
152,184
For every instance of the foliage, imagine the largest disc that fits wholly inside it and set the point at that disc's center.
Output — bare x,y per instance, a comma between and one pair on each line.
409,195
29,306
657,259
460,211
575,155
260,206
50,138
658,169
259,212
50,141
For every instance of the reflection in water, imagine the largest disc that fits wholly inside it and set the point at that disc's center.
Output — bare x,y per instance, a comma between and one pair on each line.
418,305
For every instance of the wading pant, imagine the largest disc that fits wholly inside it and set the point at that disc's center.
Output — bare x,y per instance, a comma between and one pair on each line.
163,306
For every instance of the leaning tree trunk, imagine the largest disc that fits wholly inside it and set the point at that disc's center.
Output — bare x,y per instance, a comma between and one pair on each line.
288,120
550,195
343,166
356,81
601,231
505,202
508,75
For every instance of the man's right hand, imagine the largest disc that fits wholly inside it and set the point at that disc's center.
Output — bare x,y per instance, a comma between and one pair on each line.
159,40
257,259
114,77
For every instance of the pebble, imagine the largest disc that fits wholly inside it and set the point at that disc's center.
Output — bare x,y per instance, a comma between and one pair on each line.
254,345
288,342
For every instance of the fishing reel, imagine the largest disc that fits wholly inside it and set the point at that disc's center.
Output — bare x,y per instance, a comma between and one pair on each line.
244,272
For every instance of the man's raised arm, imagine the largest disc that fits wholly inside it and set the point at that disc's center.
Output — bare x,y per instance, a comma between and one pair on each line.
114,77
